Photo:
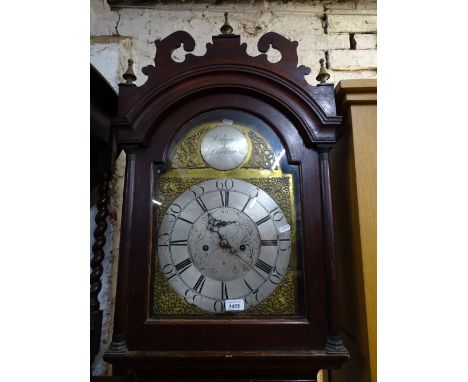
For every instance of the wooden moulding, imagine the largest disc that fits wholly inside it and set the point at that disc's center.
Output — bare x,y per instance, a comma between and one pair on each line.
355,92
229,365
354,189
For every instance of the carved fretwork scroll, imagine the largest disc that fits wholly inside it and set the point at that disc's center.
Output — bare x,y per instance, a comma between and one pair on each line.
225,65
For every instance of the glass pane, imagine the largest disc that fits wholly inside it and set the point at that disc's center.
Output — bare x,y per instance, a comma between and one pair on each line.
227,237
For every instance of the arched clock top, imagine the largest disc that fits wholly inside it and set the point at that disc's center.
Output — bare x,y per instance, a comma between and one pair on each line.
174,123
226,68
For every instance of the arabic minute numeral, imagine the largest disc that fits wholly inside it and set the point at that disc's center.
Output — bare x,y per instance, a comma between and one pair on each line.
199,191
175,208
275,277
169,271
218,306
223,184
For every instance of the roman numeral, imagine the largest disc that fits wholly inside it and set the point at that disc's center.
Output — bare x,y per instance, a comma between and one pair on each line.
183,265
178,242
270,243
201,204
247,285
199,284
246,203
261,221
225,200
185,220
224,292
263,266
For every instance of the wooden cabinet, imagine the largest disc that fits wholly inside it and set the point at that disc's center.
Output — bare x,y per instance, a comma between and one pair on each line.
353,165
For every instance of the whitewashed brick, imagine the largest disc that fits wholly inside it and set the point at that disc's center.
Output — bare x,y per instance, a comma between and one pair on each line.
352,23
353,59
322,42
297,25
279,7
109,55
330,5
366,5
103,21
332,41
365,41
106,57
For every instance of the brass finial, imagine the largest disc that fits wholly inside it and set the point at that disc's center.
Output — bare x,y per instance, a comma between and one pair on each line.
226,28
323,75
129,75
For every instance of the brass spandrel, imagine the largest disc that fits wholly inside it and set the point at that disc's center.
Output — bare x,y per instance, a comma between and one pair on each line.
262,155
187,153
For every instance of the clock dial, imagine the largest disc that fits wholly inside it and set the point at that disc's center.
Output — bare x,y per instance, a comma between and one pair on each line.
224,239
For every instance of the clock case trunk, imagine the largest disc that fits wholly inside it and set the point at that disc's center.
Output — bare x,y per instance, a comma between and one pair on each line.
149,118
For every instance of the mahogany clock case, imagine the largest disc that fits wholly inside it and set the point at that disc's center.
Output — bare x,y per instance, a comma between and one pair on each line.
305,332
150,117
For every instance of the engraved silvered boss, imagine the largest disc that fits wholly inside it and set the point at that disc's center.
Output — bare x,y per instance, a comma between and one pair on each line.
224,147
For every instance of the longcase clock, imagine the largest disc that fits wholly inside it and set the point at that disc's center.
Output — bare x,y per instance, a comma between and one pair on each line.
226,268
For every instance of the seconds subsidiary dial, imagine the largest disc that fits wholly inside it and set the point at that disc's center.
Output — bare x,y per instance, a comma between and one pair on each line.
224,239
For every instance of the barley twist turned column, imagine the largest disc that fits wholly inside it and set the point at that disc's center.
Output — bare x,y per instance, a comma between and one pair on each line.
96,263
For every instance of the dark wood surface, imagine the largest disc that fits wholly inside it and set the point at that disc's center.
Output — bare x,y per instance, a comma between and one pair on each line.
96,264
103,147
108,379
149,117
103,153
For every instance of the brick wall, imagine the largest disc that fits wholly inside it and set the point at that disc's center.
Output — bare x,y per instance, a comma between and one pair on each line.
342,32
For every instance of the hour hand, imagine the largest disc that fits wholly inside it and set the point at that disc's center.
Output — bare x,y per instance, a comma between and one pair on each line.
224,224
213,222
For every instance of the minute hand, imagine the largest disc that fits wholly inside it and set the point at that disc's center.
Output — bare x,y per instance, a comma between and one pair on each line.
240,257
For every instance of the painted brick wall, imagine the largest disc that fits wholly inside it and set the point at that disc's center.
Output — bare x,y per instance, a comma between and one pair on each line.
342,32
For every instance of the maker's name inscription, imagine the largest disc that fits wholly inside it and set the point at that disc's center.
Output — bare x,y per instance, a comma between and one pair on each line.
224,147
